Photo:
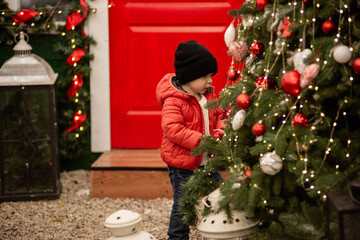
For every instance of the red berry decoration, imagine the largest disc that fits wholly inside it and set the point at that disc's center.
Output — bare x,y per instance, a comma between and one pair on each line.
232,74
300,120
328,27
263,83
243,101
248,173
290,83
257,48
258,129
261,4
356,66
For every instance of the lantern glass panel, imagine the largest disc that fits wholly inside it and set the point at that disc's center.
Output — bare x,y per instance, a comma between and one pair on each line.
26,139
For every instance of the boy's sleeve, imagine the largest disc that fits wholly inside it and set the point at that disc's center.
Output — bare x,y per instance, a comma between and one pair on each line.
219,124
172,123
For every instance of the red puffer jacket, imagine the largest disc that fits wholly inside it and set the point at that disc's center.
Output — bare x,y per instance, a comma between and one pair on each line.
183,124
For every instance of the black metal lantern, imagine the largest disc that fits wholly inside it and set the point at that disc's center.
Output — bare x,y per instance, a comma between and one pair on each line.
29,166
343,217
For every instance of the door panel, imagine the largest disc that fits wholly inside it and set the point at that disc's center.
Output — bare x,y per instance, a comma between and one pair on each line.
143,38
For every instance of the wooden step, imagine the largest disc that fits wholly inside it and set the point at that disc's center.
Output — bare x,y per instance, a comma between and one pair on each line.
130,173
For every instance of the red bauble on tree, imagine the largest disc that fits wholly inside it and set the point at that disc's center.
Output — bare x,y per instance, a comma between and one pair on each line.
356,66
328,27
265,83
261,4
232,74
258,129
243,101
300,120
257,48
290,83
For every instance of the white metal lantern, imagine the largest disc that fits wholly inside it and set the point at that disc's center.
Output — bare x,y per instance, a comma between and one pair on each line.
218,226
124,225
29,167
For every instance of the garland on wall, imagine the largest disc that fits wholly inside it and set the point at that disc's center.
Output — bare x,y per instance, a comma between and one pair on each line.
73,95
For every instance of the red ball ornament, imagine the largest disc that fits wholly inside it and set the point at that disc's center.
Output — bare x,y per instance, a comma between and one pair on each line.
261,4
232,74
248,173
258,129
328,27
267,83
290,83
257,48
243,101
356,66
300,120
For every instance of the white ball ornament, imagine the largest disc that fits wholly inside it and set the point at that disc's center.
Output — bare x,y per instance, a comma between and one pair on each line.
271,163
342,54
229,35
238,120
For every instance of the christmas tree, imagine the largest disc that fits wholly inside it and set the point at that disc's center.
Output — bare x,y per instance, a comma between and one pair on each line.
291,133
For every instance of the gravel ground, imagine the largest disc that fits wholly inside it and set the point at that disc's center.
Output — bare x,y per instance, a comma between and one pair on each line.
77,216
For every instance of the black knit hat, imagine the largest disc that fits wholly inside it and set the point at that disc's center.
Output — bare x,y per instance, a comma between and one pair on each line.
193,60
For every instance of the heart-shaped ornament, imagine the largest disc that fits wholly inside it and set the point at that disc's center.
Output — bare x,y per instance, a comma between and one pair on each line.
238,49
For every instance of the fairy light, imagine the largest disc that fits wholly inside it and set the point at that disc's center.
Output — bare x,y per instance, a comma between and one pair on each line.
63,34
77,135
81,128
32,24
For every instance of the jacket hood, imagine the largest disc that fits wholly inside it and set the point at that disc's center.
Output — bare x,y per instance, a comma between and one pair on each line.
166,89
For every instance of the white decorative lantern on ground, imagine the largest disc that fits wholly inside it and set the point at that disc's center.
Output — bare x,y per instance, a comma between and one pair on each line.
218,226
124,225
29,168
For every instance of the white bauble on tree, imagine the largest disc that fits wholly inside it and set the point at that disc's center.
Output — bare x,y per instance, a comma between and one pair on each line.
300,58
342,54
229,35
271,163
238,120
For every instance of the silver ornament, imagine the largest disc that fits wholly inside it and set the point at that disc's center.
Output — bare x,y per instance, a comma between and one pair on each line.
271,163
238,120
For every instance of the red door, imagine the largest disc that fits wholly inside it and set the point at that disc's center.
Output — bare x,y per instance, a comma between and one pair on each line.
143,38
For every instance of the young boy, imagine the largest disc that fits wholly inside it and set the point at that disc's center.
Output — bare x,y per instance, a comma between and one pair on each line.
185,120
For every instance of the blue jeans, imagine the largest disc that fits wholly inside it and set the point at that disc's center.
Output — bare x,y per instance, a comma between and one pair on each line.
178,230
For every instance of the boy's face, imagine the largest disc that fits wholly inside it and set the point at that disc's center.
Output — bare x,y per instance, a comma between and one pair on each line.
201,84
